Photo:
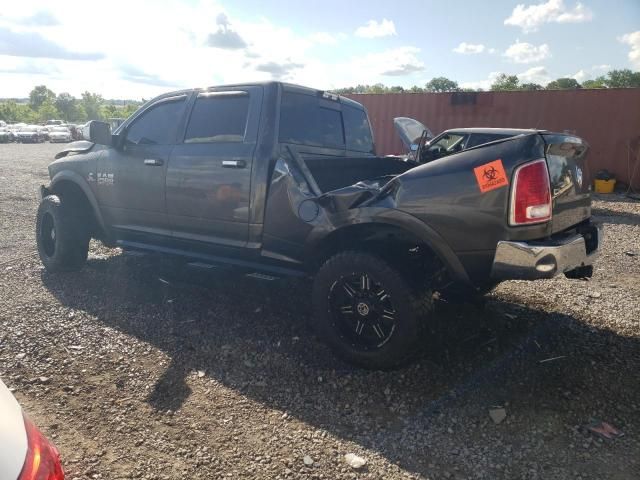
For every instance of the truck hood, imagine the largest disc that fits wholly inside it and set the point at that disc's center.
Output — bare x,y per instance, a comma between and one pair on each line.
410,131
75,147
13,436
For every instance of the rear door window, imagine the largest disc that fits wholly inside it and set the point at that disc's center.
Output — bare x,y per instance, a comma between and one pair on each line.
305,120
357,129
218,117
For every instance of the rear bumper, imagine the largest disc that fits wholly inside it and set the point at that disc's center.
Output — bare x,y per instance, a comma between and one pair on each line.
536,260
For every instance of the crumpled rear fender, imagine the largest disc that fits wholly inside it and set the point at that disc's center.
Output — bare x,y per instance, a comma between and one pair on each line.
376,215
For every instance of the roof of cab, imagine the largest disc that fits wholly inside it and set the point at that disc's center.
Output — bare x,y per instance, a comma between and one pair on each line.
505,131
266,83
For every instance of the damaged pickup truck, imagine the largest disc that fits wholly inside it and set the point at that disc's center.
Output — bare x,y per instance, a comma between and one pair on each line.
280,180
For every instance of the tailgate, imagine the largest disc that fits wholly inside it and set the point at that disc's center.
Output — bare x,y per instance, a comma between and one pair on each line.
570,190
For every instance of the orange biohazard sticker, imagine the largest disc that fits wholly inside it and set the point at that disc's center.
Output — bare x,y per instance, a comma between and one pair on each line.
491,176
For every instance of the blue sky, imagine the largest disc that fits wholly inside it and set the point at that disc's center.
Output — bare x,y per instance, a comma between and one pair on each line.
140,48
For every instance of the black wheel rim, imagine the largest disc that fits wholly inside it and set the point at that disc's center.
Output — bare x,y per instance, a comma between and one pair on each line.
362,310
48,235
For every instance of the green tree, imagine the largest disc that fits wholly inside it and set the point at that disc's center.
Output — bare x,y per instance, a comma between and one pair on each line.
505,82
12,111
377,88
563,84
92,103
80,114
47,111
129,110
441,84
416,89
531,86
110,111
599,82
66,105
624,78
39,95
9,111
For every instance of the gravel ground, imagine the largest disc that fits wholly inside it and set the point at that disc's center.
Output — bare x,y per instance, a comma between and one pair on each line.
140,369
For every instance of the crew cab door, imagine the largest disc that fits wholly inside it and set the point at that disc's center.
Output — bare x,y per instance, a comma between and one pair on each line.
209,174
131,176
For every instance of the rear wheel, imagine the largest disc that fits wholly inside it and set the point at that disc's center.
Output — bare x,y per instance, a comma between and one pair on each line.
62,235
367,313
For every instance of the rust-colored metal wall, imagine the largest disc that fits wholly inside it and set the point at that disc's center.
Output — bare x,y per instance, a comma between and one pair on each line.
608,119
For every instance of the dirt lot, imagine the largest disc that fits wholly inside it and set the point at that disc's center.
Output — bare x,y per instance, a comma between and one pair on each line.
140,369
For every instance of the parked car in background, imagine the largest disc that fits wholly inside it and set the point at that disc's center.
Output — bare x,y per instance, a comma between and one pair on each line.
13,130
25,454
60,134
54,122
5,135
419,140
31,134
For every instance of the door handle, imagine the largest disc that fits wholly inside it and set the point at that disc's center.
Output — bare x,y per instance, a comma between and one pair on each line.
234,163
152,162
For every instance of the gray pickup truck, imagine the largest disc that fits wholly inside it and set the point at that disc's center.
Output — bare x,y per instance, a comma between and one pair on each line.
280,180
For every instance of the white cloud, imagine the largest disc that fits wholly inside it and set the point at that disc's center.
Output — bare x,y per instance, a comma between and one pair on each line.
538,75
469,48
170,49
325,38
530,18
481,84
523,52
225,36
375,29
590,73
580,75
633,40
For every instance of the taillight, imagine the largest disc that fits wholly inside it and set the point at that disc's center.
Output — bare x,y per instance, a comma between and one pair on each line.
43,460
530,194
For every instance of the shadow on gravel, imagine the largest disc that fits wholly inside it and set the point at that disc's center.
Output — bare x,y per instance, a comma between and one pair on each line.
616,217
253,337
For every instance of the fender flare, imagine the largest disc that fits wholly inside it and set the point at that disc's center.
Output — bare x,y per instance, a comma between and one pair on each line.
71,176
396,218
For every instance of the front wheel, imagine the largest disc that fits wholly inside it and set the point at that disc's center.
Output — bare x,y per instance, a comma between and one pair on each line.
367,313
62,235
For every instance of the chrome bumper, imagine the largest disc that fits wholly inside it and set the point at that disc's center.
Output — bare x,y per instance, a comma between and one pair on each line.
531,261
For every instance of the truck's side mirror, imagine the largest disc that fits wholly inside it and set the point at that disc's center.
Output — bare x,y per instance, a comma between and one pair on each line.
98,132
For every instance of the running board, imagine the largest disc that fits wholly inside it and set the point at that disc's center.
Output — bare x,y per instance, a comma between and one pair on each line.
214,260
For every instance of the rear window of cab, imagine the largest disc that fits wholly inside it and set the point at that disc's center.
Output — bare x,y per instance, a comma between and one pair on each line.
311,120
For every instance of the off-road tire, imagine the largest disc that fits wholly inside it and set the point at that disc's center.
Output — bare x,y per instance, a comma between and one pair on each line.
67,248
413,310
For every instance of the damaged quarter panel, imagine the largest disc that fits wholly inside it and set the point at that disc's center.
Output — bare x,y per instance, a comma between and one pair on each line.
445,195
297,220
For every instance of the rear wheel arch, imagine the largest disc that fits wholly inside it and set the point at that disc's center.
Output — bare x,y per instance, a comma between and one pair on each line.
403,227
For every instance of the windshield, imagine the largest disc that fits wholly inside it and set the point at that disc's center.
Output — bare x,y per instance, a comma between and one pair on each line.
29,129
446,144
